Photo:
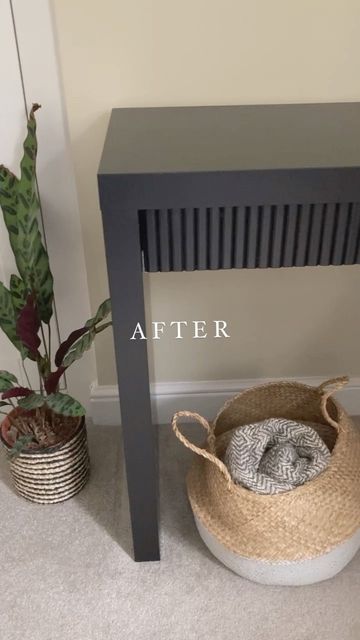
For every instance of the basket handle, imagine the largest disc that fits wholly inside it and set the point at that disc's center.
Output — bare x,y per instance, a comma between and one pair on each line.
209,455
326,389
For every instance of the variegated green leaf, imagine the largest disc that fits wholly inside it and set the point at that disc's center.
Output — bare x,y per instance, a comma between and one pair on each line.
6,375
5,384
8,197
20,444
7,381
79,348
34,401
64,404
8,320
18,292
20,205
33,252
103,311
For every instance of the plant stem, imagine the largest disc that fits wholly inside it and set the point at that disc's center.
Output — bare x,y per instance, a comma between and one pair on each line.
49,343
44,341
26,374
12,421
18,420
40,380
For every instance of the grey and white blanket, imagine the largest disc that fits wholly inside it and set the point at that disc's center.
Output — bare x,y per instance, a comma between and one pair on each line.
275,455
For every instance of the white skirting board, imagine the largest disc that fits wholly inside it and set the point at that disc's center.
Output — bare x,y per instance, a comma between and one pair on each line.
205,397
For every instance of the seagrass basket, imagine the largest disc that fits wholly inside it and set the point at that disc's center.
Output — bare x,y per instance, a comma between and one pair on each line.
302,536
53,474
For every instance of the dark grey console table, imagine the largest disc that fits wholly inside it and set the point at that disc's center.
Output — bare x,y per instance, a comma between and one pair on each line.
215,188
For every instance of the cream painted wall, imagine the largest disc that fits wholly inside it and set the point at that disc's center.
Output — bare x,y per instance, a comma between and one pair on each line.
190,52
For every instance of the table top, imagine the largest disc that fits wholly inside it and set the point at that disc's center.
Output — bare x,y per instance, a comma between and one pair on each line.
163,140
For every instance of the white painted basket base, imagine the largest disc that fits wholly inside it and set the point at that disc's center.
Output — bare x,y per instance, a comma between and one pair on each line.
285,573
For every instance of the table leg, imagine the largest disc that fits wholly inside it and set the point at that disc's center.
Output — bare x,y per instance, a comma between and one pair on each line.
122,239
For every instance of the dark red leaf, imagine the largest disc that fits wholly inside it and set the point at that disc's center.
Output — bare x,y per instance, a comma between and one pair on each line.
65,346
28,325
52,381
16,392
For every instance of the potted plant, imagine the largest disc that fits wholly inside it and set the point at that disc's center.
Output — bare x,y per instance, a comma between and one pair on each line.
44,430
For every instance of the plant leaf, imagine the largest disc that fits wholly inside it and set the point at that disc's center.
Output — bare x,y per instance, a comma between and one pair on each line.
18,292
8,320
8,195
8,376
65,405
16,392
103,311
20,205
64,355
6,380
34,401
19,445
5,385
52,381
65,346
79,348
28,325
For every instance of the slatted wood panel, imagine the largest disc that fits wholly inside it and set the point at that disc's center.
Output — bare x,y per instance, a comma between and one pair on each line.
250,237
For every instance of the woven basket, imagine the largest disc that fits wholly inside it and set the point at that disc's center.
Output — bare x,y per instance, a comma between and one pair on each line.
288,529
54,474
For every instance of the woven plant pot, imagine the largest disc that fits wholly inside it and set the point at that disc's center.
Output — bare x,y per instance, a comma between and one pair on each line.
302,536
52,474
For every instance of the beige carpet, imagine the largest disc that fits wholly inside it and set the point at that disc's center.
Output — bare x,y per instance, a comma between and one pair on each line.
66,573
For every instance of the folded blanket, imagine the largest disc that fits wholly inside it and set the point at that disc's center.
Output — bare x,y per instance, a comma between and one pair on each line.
275,455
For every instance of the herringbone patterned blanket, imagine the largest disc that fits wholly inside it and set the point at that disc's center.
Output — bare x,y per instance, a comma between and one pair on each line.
275,455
